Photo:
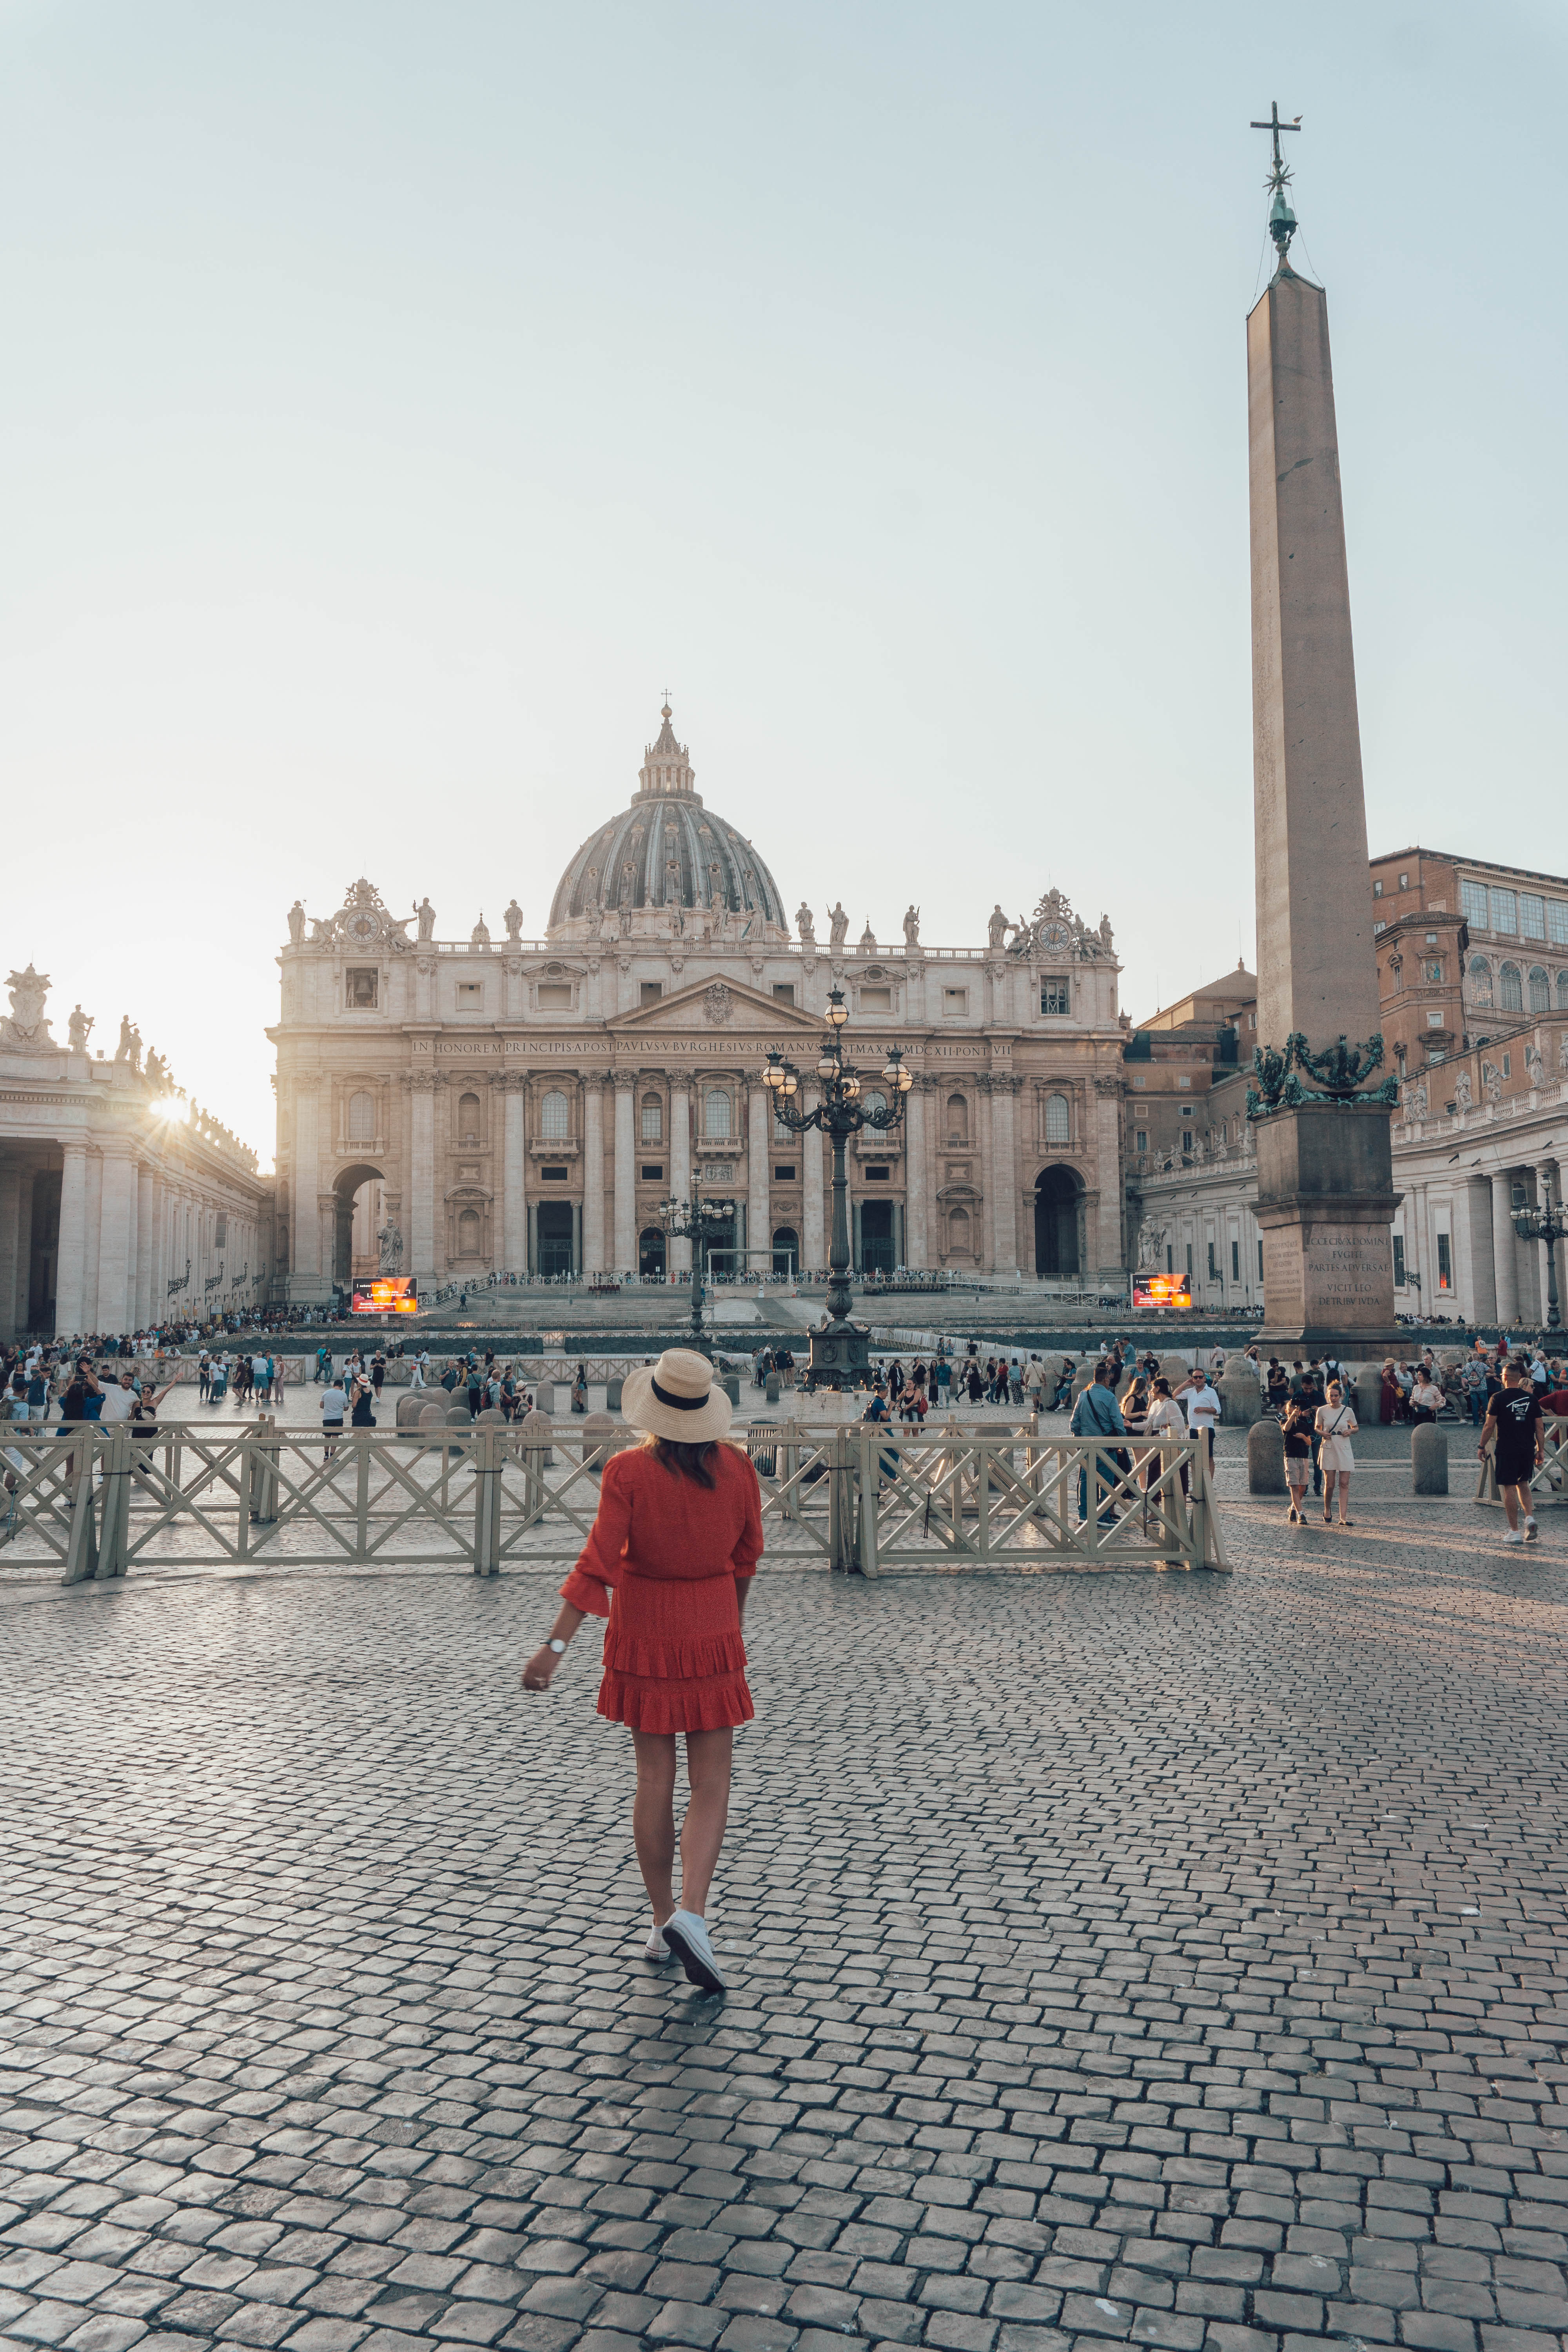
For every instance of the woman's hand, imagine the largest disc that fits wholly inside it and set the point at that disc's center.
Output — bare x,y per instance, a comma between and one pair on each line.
539,1672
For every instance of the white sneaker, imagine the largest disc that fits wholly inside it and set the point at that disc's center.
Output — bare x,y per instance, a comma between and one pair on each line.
1532,1532
688,1939
1512,1536
655,1949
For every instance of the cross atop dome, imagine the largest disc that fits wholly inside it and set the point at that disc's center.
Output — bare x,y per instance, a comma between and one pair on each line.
667,772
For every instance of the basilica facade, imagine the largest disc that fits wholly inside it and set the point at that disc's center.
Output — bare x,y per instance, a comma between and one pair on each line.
523,1106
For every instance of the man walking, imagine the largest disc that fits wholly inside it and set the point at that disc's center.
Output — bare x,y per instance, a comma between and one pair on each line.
1098,1414
1514,1423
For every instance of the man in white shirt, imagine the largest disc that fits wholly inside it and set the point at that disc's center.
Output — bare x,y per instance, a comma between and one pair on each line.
1201,1400
117,1399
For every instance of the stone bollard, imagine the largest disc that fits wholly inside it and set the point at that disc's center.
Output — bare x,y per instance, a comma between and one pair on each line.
410,1408
613,1395
775,1388
730,1383
598,1440
1266,1459
1429,1459
534,1433
1241,1399
545,1401
458,1417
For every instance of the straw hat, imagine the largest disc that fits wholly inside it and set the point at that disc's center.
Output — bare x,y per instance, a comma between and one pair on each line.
676,1399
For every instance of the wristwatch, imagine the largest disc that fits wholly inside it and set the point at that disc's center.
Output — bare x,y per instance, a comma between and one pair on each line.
559,1647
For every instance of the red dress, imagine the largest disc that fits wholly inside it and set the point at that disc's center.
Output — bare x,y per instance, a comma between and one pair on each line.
662,1563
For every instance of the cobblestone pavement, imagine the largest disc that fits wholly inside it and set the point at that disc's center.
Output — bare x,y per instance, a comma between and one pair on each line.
1172,1960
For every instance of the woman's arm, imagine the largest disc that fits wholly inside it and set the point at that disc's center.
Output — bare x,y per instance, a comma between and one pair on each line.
540,1670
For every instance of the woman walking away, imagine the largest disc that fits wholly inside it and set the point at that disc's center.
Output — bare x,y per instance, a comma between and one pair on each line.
678,1535
1337,1424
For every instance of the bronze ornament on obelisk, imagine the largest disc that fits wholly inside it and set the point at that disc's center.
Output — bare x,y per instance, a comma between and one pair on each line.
1320,1107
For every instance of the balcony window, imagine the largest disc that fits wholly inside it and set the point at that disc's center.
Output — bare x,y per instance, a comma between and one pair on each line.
554,1117
1058,1120
1473,904
652,1119
1510,988
718,1112
1532,915
555,996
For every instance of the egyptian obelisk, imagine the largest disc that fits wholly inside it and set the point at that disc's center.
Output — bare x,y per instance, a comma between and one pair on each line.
1320,1109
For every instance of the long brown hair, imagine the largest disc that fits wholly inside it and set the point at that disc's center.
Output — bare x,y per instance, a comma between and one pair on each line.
687,1461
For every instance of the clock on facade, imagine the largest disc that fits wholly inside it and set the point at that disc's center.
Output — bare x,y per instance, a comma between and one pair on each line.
1054,935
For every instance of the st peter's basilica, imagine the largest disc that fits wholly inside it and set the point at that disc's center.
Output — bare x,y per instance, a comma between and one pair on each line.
523,1106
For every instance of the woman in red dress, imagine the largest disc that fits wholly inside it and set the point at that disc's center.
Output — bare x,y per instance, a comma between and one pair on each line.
676,1540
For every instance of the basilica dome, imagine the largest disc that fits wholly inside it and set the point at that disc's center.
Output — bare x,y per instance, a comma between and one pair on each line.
667,855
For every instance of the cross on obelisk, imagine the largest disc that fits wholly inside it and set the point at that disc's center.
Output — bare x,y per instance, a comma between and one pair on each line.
1276,127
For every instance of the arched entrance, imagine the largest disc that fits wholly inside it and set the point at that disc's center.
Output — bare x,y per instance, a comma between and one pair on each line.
651,1254
555,1237
360,1211
786,1250
1058,1193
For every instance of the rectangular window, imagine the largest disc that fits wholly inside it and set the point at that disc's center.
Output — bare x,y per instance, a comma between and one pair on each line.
1141,1139
653,1122
1236,1261
1377,889
1213,1270
1399,1261
1183,1084
875,999
1056,996
220,1231
1473,903
1508,1065
785,1174
652,990
654,1174
1260,1261
1532,915
471,995
553,1175
1433,1021
1186,1108
1138,1079
362,992
783,991
1189,1260
555,996
1377,927
1504,910
955,1002
875,1175
1557,921
1445,1267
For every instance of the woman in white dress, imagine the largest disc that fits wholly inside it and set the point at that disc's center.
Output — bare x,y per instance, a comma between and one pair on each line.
1336,1426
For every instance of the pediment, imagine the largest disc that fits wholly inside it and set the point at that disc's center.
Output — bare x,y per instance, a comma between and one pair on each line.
719,1009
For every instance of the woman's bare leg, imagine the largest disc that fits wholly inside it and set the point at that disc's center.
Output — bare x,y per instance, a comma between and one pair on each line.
1330,1479
1344,1495
653,1816
707,1811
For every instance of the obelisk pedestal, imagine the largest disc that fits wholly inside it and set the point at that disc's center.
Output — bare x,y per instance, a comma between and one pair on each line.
1325,1188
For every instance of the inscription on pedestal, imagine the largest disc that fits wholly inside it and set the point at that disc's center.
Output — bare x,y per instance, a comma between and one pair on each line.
1328,1276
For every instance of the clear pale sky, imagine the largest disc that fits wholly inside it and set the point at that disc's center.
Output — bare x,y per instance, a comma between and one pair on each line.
395,399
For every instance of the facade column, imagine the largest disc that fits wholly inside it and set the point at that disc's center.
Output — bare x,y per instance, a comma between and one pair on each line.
11,1321
302,1203
759,1144
71,1252
1005,1173
1109,1243
1503,1238
594,1172
987,1164
327,1210
813,1148
932,1092
680,1169
626,1171
422,1174
146,1245
91,1237
515,1174
916,1244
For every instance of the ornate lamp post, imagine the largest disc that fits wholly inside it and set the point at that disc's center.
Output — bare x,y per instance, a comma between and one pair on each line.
839,1355
1546,1224
696,1220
